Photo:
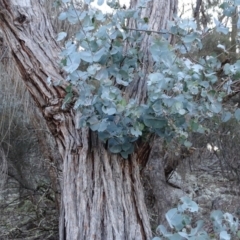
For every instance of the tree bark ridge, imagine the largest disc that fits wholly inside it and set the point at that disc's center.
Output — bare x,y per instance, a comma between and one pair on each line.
102,195
158,13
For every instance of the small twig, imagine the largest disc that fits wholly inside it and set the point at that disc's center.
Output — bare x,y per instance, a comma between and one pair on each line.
147,31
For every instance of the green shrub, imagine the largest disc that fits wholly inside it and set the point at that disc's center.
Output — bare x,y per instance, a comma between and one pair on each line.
181,225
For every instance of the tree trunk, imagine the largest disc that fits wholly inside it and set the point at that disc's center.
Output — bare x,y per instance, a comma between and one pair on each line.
234,36
102,195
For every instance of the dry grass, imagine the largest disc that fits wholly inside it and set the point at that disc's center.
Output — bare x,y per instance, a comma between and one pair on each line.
22,132
15,102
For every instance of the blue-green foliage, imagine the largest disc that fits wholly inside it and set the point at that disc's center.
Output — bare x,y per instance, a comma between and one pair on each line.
180,223
180,90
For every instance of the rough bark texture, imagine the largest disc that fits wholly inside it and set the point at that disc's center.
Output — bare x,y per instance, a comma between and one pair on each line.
234,34
3,167
157,193
158,12
102,196
161,192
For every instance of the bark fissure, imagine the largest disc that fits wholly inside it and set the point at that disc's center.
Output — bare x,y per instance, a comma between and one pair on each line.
102,195
158,12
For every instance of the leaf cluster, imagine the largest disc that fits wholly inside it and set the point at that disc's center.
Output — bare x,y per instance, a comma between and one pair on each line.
181,225
181,91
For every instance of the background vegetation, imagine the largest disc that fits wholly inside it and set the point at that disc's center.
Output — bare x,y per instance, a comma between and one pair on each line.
29,197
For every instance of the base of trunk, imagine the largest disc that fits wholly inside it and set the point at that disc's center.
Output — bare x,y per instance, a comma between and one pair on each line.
103,197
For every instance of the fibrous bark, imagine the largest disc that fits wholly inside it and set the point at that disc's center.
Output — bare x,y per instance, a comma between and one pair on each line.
102,195
158,13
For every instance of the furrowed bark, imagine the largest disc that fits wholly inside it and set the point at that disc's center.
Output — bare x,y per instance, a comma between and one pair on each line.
102,195
158,13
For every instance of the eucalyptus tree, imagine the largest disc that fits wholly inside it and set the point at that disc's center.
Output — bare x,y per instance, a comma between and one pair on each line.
117,83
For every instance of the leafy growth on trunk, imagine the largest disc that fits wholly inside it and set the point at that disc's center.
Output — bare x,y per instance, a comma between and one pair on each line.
104,57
